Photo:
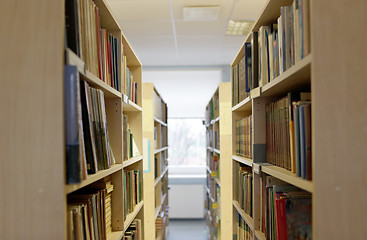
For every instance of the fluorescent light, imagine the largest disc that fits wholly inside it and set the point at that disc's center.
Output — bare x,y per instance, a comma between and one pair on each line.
201,13
239,27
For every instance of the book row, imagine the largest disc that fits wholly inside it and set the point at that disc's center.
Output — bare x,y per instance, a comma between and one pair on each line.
159,108
288,133
132,190
286,211
213,161
244,142
89,214
243,187
273,49
243,231
212,110
88,147
134,232
130,148
97,47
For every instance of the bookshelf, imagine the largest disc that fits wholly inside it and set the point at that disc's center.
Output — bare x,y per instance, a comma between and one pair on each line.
42,196
322,72
219,169
156,168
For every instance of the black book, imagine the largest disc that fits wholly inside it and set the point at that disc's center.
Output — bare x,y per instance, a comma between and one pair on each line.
72,26
90,149
255,59
72,115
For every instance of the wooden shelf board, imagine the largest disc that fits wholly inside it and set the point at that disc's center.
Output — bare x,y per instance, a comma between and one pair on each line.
132,216
108,21
260,235
297,77
210,194
160,150
208,170
72,59
130,106
132,160
161,176
160,122
288,176
214,120
246,161
116,235
95,82
217,181
249,220
244,105
210,149
216,150
92,178
158,209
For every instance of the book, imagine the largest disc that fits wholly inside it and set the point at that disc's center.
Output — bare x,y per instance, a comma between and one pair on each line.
255,59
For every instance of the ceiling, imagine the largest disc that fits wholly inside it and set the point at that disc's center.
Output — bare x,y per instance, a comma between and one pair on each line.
161,37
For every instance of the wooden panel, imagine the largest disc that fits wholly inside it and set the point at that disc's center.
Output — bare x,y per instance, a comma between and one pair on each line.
32,121
225,124
114,125
339,71
117,201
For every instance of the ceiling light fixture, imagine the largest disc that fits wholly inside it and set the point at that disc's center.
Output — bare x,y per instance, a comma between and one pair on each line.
239,28
201,13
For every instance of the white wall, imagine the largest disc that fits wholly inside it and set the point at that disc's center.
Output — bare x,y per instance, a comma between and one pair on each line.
186,92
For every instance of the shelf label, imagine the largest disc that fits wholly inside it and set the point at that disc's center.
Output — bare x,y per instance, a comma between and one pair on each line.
214,206
214,174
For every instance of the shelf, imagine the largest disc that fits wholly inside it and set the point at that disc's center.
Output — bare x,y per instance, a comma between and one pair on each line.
260,235
216,150
210,149
297,77
210,195
116,235
217,181
95,82
160,122
132,161
158,209
160,177
214,120
160,150
129,106
246,161
92,178
72,59
288,176
132,216
249,221
245,105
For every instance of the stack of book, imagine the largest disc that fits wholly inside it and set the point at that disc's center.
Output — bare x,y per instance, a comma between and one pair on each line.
241,78
130,87
286,211
159,227
89,212
98,48
129,145
244,137
244,189
288,134
88,147
134,232
132,193
212,111
243,230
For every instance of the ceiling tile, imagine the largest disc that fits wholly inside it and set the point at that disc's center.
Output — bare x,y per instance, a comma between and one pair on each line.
147,28
225,6
248,10
199,43
210,28
140,10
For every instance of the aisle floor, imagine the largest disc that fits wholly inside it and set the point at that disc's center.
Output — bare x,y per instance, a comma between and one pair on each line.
187,229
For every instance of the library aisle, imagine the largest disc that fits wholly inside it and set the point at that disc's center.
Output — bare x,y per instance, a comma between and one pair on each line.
183,229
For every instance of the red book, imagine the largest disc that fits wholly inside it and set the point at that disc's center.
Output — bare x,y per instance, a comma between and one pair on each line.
281,218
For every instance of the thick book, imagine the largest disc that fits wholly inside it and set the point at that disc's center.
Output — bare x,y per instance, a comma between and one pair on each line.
72,125
72,26
255,59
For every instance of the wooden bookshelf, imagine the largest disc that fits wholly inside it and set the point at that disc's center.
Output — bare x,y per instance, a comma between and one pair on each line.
248,219
218,113
34,130
156,169
322,72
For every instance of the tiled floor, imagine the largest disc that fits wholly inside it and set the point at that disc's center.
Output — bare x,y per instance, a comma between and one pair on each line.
187,230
